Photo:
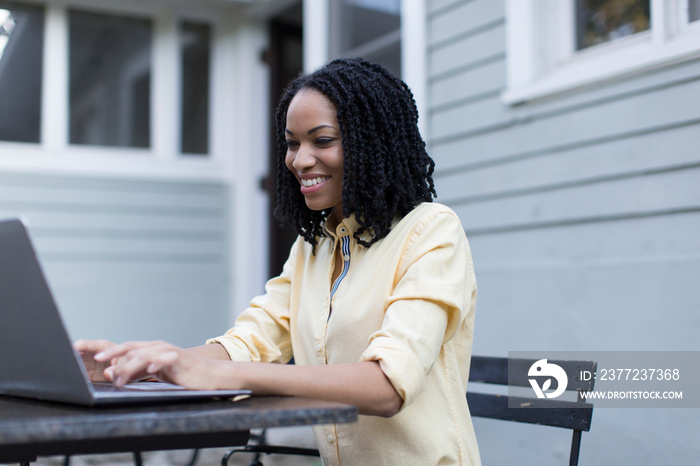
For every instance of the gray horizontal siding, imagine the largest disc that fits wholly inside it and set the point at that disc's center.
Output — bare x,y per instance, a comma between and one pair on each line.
83,219
650,240
450,21
584,119
439,6
612,306
529,132
586,149
605,201
582,211
480,82
609,160
466,52
123,301
128,258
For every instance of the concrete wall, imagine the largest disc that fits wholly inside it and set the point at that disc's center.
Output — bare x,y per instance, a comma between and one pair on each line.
582,212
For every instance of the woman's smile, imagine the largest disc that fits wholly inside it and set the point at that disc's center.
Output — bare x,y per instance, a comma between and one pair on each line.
315,150
311,182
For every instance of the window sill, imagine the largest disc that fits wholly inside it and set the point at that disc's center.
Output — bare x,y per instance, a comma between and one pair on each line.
604,63
109,162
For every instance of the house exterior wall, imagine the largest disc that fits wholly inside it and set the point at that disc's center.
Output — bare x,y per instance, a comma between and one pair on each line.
128,259
582,211
151,243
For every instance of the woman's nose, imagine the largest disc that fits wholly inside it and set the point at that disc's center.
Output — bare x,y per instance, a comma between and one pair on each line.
304,159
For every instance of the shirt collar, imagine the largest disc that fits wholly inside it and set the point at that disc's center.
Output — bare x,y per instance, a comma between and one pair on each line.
346,226
351,225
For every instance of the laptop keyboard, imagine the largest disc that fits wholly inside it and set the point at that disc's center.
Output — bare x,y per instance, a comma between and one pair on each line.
136,386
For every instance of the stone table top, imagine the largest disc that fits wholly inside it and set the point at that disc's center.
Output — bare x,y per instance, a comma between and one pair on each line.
33,428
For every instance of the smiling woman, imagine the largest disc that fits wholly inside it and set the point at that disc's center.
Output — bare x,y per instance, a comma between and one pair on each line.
387,171
315,151
376,301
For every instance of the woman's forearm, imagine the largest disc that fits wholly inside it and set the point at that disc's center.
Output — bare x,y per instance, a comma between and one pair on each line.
362,384
212,350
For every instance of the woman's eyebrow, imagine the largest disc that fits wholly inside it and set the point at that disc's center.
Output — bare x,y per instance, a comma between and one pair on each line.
312,130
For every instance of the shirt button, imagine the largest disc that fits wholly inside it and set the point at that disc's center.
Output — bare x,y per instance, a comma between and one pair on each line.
318,348
346,257
330,438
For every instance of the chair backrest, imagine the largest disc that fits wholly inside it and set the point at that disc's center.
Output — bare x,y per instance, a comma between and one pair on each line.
573,415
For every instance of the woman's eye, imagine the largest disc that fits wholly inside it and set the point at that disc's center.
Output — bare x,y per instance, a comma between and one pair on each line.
324,141
292,144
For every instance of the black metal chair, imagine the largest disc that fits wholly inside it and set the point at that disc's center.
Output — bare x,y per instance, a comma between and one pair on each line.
258,446
574,415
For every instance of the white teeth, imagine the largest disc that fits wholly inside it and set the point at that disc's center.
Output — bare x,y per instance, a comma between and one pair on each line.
313,181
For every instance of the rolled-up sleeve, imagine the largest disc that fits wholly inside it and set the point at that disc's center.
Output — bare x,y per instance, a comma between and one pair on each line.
429,302
262,332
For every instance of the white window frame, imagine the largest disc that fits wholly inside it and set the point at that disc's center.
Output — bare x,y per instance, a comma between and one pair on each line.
164,158
542,59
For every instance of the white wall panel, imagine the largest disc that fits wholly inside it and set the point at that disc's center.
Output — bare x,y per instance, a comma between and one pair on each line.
129,259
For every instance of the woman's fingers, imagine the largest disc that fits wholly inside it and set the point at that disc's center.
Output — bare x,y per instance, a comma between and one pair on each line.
92,346
87,350
116,351
162,361
135,360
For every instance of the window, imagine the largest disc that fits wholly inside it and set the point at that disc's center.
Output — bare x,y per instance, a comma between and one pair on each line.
388,32
110,80
21,67
194,92
367,28
559,45
600,21
694,10
76,78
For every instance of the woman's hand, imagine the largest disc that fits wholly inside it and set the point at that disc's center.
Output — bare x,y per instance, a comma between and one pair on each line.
363,384
88,349
169,363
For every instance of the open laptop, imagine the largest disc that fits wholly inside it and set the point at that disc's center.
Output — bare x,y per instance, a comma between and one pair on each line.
37,358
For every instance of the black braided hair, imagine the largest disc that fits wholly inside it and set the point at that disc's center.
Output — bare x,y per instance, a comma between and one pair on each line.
386,169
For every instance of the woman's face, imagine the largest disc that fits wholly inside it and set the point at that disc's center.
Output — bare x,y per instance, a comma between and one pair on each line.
314,150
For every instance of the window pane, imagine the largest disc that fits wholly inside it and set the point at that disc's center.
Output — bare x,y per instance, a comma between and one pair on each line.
366,20
110,80
600,21
21,58
195,50
693,10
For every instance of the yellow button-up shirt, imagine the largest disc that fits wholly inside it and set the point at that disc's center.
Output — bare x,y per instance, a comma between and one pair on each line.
407,302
